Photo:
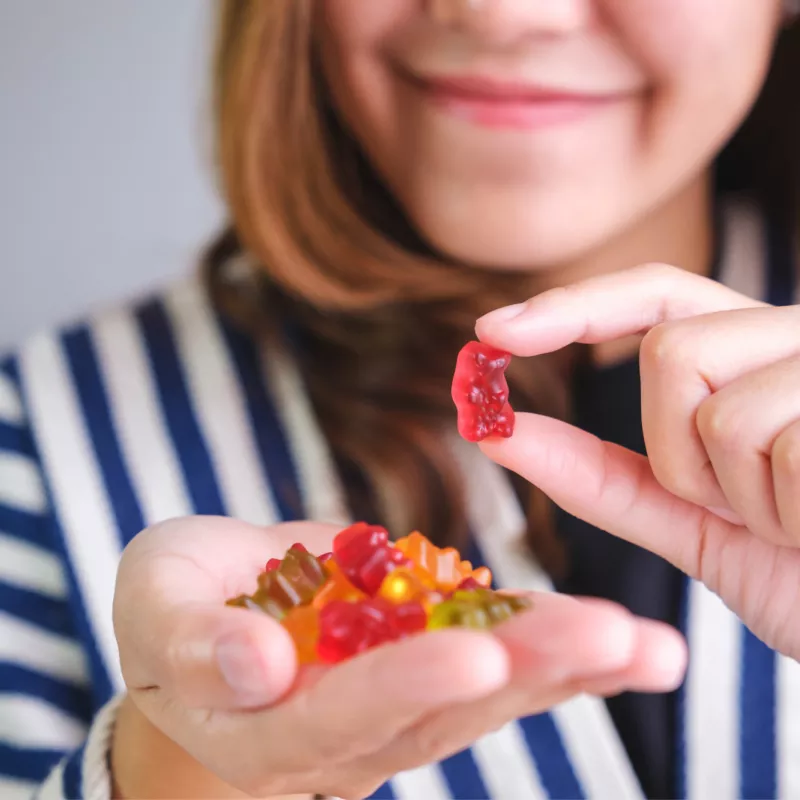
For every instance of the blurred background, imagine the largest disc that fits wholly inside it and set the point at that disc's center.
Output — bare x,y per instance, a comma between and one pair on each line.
106,182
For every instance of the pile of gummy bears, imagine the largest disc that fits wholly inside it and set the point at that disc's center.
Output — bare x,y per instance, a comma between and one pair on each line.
369,591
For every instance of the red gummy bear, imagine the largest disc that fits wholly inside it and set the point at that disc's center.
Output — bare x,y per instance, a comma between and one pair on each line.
346,629
480,392
365,556
408,618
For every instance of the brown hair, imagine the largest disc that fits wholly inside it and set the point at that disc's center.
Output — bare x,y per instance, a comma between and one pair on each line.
375,318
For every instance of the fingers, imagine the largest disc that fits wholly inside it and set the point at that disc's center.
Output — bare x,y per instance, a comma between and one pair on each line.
605,308
682,365
703,440
786,478
360,706
613,489
562,638
558,649
739,427
658,664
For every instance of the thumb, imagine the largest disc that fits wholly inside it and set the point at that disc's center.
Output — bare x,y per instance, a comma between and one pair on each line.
611,488
220,658
176,635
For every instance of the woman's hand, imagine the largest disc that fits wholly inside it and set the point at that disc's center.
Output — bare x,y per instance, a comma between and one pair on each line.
226,706
719,494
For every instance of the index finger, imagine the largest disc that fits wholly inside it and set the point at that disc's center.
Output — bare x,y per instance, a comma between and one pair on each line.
604,308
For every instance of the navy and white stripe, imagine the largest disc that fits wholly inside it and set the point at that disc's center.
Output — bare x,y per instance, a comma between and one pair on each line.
45,701
163,411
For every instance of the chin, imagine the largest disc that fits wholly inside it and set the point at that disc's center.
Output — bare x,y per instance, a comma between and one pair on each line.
520,230
530,238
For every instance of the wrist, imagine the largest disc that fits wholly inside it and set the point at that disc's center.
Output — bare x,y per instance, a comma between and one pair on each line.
146,763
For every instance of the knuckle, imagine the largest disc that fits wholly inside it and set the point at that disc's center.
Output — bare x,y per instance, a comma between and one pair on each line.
722,424
666,348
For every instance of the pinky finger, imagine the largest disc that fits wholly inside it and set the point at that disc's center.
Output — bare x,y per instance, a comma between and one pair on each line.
786,479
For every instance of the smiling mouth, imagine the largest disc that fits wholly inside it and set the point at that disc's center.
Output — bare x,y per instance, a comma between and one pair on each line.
493,103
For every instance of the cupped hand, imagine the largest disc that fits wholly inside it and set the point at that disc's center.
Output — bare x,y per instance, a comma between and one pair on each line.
719,493
223,683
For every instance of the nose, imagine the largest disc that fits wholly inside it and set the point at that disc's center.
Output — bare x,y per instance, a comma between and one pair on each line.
504,21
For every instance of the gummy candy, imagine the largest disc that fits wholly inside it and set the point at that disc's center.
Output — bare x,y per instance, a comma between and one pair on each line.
405,584
480,392
337,587
369,591
478,608
293,582
347,629
302,622
365,556
408,618
467,584
444,565
482,576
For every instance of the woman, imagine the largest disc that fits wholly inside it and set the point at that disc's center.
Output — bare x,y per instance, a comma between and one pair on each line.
395,171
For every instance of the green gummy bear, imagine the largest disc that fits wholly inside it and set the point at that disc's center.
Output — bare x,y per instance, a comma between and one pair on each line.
294,583
475,608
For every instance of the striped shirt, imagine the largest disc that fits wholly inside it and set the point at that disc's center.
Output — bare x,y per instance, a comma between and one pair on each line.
163,410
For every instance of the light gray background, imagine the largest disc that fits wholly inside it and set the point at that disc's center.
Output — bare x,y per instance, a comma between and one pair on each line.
106,183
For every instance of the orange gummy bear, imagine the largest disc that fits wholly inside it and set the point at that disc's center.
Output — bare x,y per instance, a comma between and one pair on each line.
337,587
444,564
302,622
483,575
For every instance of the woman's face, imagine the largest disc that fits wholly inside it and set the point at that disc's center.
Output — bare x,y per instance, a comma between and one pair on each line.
521,133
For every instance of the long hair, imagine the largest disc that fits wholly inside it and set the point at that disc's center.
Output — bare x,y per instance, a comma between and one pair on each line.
374,319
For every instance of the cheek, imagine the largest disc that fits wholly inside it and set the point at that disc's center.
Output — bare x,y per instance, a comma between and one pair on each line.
354,37
707,58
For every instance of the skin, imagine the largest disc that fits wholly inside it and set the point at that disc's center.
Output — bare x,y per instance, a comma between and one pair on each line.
575,204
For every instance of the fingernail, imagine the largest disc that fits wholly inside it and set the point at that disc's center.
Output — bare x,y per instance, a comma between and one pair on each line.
239,663
505,314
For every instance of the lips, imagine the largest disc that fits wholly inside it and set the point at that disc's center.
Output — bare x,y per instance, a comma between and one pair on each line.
495,103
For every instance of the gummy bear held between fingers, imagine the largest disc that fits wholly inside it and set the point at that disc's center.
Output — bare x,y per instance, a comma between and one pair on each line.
480,392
